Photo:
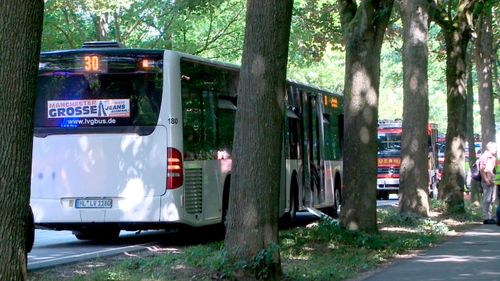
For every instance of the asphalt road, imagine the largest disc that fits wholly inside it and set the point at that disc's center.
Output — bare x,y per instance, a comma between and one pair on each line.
53,248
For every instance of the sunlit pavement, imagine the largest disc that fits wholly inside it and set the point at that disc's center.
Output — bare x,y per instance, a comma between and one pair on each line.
472,256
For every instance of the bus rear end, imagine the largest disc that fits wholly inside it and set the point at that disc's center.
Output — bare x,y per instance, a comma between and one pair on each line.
99,155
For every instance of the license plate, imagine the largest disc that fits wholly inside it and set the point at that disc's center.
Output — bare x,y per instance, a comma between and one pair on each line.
93,203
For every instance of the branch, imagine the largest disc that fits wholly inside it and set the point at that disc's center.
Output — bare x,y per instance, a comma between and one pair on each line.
209,32
438,15
139,12
477,10
221,33
68,37
348,10
382,18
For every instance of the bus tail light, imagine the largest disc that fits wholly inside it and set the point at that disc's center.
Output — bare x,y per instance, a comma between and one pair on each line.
174,168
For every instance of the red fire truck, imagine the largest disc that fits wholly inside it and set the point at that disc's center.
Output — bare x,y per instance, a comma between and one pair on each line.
389,158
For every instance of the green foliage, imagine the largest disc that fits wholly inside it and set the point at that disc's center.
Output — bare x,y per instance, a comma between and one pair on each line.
207,28
217,260
263,262
203,255
470,212
391,217
391,81
437,205
473,213
315,28
64,27
457,208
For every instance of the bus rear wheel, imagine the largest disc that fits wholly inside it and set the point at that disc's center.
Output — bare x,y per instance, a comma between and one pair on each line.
337,200
291,216
30,232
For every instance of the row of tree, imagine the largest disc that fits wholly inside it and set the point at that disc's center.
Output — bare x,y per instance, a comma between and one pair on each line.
252,217
252,225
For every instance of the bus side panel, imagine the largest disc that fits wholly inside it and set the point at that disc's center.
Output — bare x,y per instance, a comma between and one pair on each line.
199,201
127,168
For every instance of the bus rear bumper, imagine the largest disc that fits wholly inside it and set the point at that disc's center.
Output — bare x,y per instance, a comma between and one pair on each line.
388,184
64,210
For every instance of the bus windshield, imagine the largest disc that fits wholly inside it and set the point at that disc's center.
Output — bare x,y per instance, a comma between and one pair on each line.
123,94
389,144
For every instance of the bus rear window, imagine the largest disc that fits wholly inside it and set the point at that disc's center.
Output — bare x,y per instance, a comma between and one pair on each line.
123,95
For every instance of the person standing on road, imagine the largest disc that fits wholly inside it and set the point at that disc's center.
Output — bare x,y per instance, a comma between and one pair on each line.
487,163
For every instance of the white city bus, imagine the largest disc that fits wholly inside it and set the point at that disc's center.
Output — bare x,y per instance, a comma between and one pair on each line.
130,139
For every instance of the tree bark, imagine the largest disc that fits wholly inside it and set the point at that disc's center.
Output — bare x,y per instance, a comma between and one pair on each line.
20,34
414,174
101,27
474,185
364,29
484,63
453,182
252,223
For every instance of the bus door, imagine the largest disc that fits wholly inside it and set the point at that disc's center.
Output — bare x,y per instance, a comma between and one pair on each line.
311,148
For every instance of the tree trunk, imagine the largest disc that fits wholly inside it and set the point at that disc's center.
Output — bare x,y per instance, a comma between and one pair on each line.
364,29
454,175
101,27
484,63
474,185
118,32
20,33
414,181
457,33
252,225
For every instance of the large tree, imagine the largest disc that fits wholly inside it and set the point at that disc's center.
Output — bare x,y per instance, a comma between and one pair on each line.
414,182
20,33
252,222
363,26
455,19
484,65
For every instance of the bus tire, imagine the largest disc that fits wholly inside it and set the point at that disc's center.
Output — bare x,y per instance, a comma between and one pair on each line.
291,216
225,201
333,211
337,205
30,232
337,193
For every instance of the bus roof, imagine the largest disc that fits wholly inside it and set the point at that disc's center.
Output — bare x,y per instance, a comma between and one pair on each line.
117,50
